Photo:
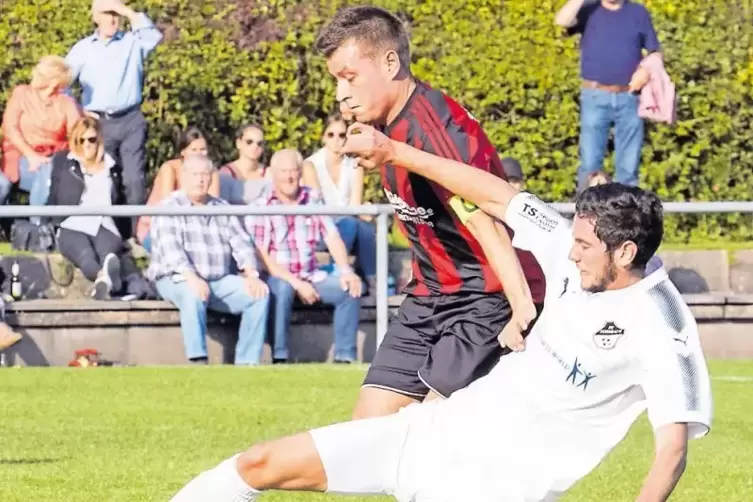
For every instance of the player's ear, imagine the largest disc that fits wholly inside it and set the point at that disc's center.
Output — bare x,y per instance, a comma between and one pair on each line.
625,254
392,63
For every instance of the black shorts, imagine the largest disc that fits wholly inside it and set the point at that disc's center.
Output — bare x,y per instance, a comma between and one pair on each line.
440,343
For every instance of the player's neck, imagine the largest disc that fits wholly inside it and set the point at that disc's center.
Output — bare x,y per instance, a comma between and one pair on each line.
626,279
406,87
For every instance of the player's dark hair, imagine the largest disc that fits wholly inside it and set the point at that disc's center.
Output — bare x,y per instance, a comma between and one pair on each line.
623,213
377,30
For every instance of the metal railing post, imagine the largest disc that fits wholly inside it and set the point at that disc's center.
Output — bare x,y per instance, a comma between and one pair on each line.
383,265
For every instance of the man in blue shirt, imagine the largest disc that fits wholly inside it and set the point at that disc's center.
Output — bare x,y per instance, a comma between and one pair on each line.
109,65
614,35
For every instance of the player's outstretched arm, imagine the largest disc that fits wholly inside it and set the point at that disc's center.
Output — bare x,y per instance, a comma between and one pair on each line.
373,149
669,463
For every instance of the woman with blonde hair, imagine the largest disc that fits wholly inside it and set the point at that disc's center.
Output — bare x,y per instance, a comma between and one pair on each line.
37,120
86,175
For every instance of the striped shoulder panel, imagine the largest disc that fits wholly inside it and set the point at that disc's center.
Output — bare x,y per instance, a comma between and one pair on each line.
668,300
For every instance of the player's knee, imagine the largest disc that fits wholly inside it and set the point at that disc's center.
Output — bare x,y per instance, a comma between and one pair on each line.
254,467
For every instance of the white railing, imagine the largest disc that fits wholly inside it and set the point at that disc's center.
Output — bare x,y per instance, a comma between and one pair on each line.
382,213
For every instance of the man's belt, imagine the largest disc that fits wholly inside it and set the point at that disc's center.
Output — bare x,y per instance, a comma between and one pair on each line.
114,115
590,84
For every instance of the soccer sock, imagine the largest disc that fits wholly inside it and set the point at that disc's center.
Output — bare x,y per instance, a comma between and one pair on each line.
221,484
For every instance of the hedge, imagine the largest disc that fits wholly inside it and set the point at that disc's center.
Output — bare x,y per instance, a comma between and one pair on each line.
224,63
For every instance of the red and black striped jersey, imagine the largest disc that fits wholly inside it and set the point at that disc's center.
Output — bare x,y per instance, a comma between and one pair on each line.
446,257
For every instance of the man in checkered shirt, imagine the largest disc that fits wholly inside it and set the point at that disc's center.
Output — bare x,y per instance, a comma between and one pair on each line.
287,245
192,266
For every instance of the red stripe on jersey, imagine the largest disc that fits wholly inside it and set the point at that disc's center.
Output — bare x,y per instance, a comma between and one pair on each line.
440,135
446,272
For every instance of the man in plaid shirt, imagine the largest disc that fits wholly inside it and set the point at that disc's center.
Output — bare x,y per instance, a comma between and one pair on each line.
192,266
287,245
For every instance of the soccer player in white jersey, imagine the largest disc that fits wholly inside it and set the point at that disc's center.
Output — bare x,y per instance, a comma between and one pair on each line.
611,343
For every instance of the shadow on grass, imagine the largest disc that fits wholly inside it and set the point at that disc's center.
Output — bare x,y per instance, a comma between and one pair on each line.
29,461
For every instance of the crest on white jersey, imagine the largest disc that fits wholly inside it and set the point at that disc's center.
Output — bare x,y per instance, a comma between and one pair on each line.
608,336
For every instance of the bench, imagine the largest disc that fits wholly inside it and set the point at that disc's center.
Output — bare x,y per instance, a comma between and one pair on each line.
147,332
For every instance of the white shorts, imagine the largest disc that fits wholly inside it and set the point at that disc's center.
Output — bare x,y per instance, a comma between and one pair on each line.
469,447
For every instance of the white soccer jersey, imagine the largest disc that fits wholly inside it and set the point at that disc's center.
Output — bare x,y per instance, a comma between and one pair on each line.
545,417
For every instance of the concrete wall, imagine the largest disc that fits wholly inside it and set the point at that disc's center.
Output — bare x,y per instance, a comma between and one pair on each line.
148,332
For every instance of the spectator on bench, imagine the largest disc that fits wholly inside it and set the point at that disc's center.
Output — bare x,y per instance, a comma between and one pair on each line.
86,175
245,179
287,245
191,141
340,181
191,265
37,121
249,140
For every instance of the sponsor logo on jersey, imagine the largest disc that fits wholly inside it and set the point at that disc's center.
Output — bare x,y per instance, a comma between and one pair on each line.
577,375
539,217
407,213
608,336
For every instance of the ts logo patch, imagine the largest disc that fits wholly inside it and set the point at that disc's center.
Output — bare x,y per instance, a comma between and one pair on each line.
608,336
539,217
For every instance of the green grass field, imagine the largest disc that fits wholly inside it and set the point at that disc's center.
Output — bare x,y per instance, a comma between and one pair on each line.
135,434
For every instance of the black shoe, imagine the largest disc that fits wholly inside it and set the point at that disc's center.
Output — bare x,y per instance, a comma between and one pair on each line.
202,361
279,361
341,361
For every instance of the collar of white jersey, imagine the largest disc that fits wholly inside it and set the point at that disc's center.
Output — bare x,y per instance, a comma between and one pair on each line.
655,273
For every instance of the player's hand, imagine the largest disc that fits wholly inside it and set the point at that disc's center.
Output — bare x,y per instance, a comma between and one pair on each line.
351,283
371,147
306,292
512,334
256,288
198,286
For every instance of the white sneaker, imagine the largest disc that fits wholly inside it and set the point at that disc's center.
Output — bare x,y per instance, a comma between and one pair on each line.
111,267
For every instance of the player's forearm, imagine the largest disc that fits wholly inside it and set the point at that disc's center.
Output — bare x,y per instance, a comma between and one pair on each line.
490,193
567,16
497,246
665,472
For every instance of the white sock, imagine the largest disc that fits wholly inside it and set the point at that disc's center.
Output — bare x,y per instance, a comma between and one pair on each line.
221,484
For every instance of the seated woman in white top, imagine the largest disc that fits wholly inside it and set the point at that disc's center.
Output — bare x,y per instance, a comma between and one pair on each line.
340,181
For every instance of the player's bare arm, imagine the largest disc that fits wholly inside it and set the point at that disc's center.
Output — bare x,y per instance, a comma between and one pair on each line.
490,193
669,463
497,246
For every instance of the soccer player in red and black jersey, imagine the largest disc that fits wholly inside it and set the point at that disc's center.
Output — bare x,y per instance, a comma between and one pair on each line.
445,334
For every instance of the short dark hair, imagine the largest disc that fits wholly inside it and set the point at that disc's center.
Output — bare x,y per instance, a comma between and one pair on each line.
376,28
623,213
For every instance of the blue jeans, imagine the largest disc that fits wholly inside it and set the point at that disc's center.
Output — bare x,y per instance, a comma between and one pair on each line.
330,293
360,240
599,110
37,183
226,295
147,244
